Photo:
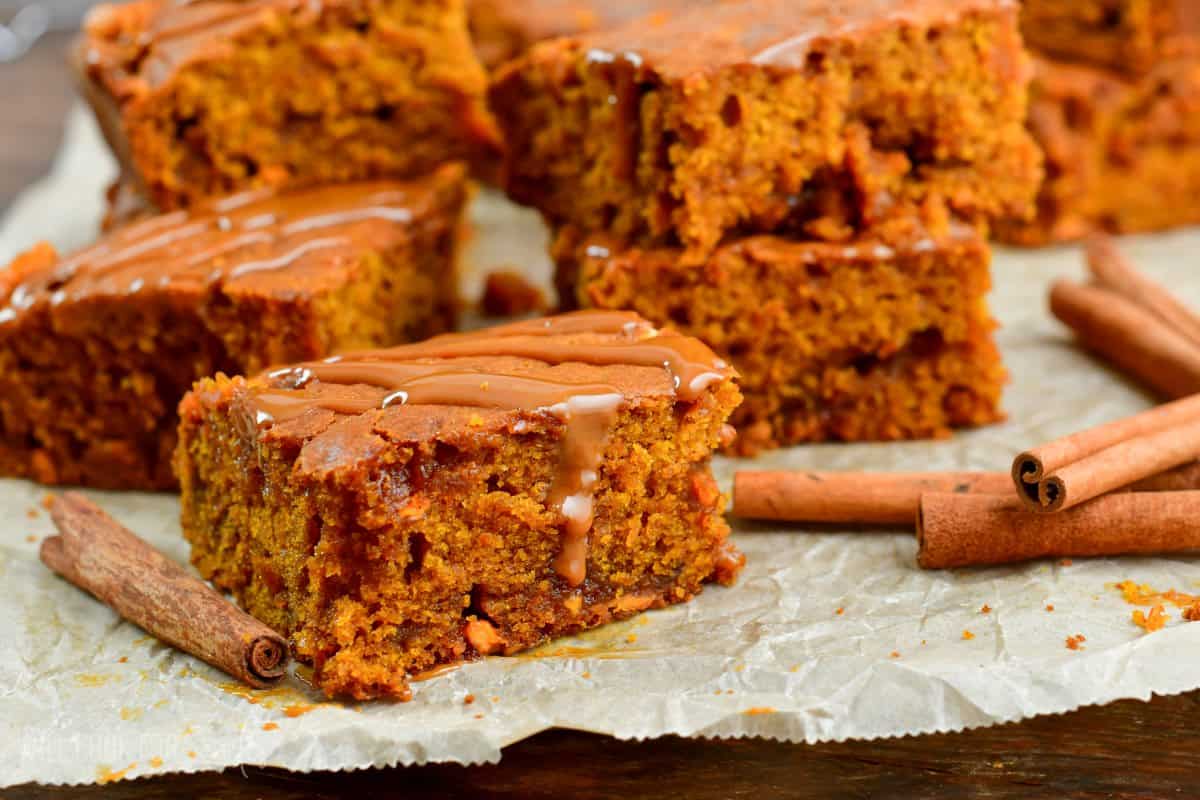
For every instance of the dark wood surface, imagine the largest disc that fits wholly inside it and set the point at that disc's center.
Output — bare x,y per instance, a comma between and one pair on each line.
1124,750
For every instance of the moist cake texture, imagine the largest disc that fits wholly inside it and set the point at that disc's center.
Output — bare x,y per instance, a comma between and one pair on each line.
884,337
1130,36
97,349
1122,154
208,97
816,117
401,510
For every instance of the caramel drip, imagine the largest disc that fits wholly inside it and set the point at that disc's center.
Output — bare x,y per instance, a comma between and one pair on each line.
251,232
428,374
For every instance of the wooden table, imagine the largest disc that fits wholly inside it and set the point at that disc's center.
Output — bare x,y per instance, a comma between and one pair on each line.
1125,750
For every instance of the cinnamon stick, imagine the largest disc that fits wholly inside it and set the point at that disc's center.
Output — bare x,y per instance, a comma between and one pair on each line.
873,498
1108,457
852,498
97,554
1113,271
956,530
1130,337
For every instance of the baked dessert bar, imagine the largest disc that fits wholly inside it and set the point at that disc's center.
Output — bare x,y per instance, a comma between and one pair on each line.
203,99
814,116
883,337
1131,36
1122,154
400,510
97,349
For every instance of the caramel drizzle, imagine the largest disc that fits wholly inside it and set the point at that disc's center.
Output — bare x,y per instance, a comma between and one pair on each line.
252,232
426,374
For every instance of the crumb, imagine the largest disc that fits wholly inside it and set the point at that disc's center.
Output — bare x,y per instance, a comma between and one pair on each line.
1049,606
1192,612
1143,595
47,501
156,762
468,700
270,726
729,691
1154,621
1066,562
31,538
1076,642
895,654
495,699
191,754
840,611
739,668
631,638
585,675
31,513
968,636
298,709
479,716
123,660
507,293
986,609
757,710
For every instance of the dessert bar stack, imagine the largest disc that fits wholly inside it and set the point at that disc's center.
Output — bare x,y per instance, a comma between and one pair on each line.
803,185
1115,105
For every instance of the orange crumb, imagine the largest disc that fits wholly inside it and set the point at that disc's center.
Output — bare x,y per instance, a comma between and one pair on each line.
1049,607
47,501
495,699
156,762
1192,612
1075,642
585,675
840,611
298,710
1143,595
123,659
468,700
105,774
757,710
191,753
895,654
270,726
986,609
631,638
31,538
1154,621
729,691
31,513
968,635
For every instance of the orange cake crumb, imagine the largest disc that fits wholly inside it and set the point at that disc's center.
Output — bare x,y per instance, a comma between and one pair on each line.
986,609
967,635
1154,621
270,726
1076,642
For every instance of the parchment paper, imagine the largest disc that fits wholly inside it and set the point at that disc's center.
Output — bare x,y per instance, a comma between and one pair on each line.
84,697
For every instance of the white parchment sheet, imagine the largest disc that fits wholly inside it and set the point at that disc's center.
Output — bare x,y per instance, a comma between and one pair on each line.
85,697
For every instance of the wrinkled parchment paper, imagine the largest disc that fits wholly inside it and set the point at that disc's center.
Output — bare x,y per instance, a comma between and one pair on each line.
85,697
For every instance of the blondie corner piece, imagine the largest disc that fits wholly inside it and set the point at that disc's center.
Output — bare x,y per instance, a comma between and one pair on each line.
400,510
1122,154
202,99
881,338
97,349
769,115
